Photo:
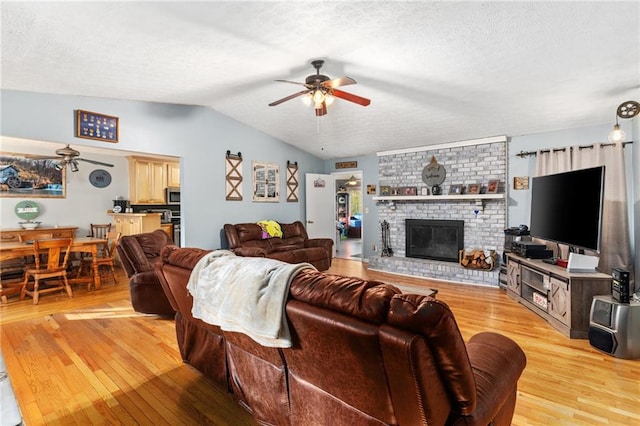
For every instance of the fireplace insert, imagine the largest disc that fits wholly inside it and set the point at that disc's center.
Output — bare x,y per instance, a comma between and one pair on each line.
434,239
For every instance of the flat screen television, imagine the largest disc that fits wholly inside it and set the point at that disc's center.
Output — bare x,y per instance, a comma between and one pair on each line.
567,207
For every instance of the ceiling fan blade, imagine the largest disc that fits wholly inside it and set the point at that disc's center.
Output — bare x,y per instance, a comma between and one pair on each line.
99,163
40,157
295,95
292,82
337,82
350,97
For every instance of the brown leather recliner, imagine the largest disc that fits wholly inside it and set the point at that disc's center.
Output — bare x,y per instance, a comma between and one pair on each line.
363,353
138,253
295,246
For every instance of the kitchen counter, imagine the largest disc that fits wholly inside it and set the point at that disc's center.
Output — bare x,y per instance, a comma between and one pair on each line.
135,223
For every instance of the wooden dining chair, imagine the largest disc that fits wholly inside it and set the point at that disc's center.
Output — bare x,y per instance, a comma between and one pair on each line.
107,258
57,251
100,230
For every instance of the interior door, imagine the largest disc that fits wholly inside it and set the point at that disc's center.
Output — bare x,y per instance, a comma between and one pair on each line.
320,205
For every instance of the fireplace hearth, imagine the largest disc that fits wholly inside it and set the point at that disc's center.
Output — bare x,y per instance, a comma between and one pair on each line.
434,239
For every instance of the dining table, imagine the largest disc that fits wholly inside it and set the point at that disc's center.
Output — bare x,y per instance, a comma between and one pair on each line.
16,249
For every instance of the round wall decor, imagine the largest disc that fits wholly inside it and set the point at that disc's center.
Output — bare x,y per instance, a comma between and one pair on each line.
433,173
100,178
27,210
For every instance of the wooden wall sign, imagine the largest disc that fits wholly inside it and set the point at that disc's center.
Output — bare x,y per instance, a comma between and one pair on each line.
346,165
233,188
292,182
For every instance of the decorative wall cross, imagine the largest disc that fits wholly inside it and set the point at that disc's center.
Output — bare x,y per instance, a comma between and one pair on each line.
233,176
292,182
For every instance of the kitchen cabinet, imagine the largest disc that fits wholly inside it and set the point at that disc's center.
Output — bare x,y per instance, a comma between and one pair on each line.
148,178
173,175
135,223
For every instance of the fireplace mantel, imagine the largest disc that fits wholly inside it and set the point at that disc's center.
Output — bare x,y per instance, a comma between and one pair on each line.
464,197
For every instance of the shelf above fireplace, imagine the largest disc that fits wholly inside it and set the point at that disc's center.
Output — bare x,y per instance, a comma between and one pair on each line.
444,197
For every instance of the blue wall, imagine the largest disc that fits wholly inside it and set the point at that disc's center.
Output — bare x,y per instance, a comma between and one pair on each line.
200,136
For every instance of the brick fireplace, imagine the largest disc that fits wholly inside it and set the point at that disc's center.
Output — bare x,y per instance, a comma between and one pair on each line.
484,221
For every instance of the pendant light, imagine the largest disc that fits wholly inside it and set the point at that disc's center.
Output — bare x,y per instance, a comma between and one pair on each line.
353,181
628,109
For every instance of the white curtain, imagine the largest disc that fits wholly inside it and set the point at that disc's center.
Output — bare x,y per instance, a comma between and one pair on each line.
615,244
553,161
615,241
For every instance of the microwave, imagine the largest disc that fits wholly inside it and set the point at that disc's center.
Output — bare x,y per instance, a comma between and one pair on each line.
172,195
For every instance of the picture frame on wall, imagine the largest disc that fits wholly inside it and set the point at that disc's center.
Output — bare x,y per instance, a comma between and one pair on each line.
385,190
22,177
266,182
92,125
521,182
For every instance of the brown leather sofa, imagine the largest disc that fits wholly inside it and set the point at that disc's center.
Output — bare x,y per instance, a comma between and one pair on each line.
245,239
137,254
363,354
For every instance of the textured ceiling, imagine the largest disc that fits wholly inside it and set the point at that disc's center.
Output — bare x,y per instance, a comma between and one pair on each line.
435,72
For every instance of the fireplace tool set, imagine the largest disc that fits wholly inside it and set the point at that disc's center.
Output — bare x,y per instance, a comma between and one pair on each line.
386,240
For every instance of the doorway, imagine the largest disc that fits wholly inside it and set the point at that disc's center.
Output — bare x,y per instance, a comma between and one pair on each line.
348,212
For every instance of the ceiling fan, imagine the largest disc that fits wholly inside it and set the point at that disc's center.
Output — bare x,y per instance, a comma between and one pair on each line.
69,156
321,90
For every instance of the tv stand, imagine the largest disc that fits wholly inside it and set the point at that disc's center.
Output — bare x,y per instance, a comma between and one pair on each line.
562,298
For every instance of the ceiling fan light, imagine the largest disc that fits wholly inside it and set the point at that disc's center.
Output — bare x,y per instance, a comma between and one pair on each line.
307,100
617,134
74,166
59,166
318,98
329,99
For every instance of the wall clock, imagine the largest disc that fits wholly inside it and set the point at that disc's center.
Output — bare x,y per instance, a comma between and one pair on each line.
100,178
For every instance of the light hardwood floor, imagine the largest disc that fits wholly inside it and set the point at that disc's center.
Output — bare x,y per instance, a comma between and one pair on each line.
92,360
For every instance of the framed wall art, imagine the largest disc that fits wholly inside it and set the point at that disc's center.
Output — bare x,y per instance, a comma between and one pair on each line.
521,182
23,176
385,190
266,182
92,125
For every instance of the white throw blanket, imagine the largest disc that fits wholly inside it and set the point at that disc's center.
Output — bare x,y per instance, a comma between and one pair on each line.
244,294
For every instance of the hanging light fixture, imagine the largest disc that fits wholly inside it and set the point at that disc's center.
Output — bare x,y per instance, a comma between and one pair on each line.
353,181
628,109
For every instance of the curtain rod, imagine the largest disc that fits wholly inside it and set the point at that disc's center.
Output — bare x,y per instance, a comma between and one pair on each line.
528,153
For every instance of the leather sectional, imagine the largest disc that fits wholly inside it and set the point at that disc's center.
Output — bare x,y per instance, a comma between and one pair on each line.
295,246
363,353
